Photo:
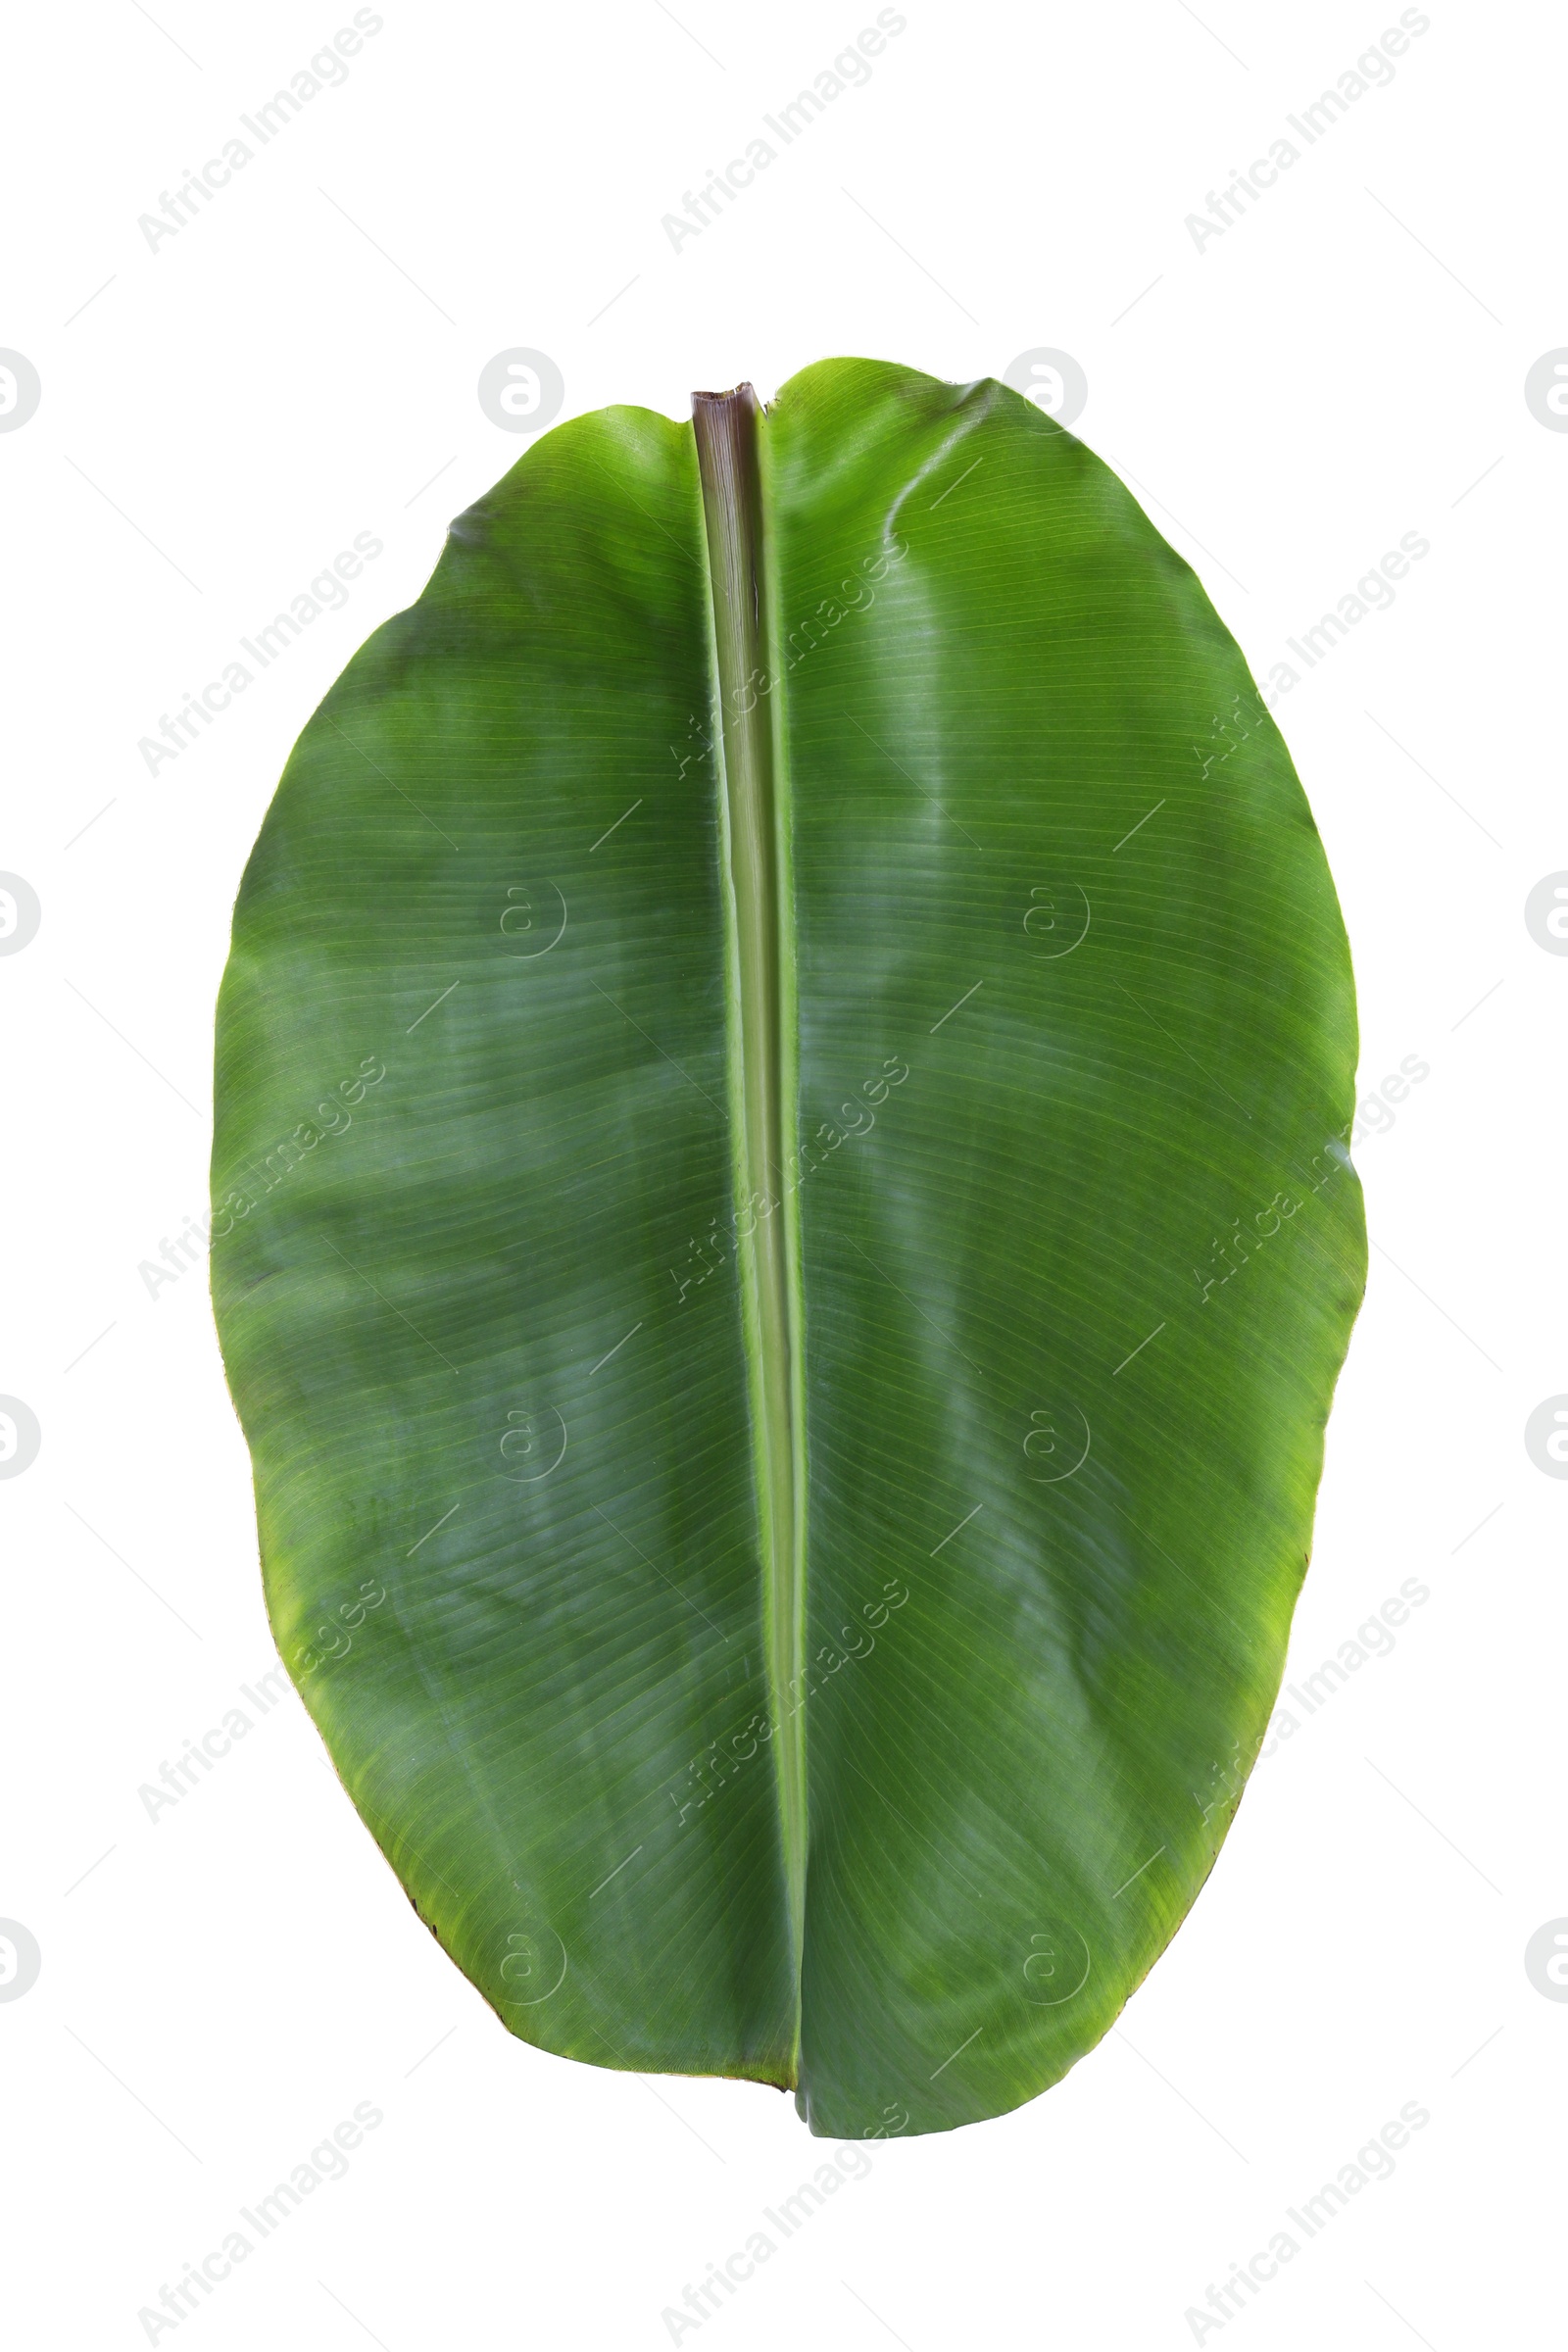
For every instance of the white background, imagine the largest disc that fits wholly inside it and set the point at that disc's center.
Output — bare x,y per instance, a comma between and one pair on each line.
1343,365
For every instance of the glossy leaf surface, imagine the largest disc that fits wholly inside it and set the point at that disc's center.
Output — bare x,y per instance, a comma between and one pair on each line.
808,1621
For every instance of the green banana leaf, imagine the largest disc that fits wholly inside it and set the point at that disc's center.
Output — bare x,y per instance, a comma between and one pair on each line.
782,1240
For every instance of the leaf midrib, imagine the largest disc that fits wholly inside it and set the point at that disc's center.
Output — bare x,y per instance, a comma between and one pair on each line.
747,734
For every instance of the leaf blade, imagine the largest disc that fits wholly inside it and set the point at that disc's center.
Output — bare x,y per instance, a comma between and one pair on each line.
1068,997
1028,679
502,1233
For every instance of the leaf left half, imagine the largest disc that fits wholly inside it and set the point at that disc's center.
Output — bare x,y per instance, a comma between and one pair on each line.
475,1270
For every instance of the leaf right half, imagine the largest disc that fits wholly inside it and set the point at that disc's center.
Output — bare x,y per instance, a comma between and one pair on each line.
1073,1307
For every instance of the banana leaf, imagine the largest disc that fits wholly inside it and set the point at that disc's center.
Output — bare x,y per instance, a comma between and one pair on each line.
782,1240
